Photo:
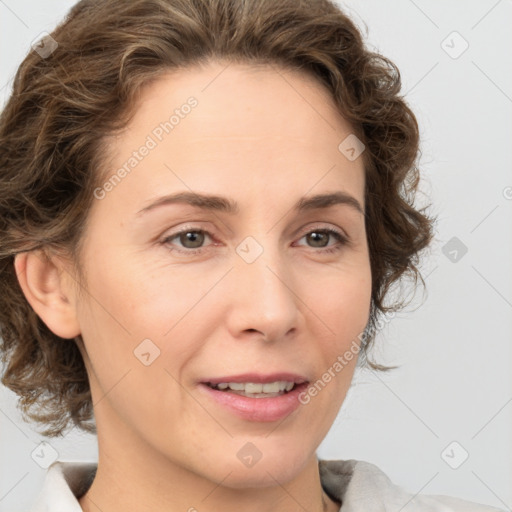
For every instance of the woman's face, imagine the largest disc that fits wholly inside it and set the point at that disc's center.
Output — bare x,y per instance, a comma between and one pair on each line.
272,290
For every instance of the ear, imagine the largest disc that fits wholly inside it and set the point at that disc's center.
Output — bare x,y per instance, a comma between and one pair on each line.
47,286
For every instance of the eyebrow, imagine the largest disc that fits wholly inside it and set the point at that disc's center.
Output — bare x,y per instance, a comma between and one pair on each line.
226,205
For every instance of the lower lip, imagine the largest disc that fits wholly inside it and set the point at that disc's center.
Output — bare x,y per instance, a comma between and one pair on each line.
257,409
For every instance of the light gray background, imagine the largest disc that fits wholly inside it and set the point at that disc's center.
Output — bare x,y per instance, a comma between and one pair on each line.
454,384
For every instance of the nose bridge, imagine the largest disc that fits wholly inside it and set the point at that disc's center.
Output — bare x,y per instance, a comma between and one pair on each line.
263,298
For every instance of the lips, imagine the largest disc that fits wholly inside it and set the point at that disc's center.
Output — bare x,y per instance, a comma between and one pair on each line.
256,397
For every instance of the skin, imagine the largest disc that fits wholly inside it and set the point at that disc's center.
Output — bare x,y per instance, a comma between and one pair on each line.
264,137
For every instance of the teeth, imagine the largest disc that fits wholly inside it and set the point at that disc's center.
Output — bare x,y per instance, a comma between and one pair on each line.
271,387
251,387
256,388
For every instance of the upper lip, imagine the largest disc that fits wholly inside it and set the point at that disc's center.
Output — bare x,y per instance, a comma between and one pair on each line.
259,378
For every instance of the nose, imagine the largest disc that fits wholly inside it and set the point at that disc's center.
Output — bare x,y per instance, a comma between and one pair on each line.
262,303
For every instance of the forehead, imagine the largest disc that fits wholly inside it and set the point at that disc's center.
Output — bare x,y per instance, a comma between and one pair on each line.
260,99
253,127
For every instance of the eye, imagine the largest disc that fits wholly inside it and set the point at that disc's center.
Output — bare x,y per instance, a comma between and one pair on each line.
191,240
319,238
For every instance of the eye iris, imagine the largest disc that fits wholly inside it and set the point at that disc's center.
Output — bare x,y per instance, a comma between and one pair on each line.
196,239
318,238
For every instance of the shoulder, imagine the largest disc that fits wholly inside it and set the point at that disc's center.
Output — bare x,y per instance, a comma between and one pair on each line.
63,484
360,485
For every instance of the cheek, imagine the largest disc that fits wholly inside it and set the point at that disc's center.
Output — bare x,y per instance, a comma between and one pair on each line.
343,306
342,298
139,331
144,301
130,312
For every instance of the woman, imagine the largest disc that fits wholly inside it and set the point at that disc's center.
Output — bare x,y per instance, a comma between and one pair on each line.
204,204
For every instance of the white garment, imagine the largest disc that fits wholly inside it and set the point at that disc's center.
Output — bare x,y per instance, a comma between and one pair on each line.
359,486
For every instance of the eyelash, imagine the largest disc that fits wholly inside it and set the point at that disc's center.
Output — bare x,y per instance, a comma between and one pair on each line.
339,236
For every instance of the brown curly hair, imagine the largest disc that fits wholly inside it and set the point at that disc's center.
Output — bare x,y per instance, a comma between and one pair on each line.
64,106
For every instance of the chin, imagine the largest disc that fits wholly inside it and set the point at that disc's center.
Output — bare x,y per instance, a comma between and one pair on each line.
261,476
253,468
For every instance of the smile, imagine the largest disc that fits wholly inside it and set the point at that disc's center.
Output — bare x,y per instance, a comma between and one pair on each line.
255,389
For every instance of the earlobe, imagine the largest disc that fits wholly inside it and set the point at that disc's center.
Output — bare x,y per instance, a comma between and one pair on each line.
47,290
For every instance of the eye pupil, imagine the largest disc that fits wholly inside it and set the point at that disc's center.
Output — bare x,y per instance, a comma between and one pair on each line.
318,238
196,239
